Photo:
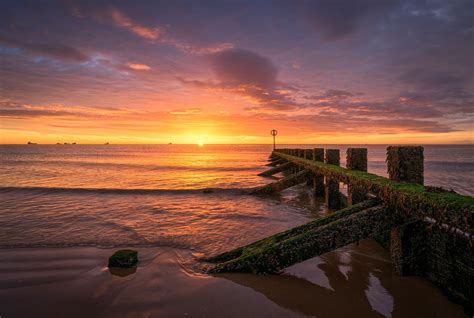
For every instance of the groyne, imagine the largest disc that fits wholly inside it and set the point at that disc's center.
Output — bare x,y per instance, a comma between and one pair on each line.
428,230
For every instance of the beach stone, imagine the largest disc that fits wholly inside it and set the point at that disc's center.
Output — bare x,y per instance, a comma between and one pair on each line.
124,259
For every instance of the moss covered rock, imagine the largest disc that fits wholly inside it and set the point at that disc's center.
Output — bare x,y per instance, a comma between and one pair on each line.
123,259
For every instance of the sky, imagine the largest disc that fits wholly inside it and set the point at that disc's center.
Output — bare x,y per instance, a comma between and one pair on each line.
320,71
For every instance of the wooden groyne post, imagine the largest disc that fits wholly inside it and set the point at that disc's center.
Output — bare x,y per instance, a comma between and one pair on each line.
405,164
356,159
333,196
318,178
428,230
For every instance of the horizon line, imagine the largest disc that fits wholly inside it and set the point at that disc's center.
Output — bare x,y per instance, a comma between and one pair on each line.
216,144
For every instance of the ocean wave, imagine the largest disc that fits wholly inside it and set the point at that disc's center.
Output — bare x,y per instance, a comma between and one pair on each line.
158,243
115,165
58,190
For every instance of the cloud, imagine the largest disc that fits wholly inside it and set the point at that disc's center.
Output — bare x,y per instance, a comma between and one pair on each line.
13,110
16,110
412,60
335,19
428,79
348,104
447,91
296,65
333,124
90,119
138,67
394,109
255,77
344,111
198,50
123,21
159,34
249,74
189,111
332,94
54,50
241,67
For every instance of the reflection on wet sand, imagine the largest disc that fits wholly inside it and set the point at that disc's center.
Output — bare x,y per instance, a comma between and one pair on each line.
354,281
122,272
74,282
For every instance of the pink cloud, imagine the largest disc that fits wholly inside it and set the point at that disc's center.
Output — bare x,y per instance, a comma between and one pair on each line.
159,34
122,20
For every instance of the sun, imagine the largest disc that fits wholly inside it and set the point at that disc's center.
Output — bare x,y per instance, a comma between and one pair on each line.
200,142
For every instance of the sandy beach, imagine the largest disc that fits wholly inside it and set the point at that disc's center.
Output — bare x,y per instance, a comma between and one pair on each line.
75,282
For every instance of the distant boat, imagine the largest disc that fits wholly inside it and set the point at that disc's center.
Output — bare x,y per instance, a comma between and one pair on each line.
66,143
58,143
73,143
31,143
170,143
106,143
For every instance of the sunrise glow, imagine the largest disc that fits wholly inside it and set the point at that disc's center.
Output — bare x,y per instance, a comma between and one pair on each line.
236,158
97,73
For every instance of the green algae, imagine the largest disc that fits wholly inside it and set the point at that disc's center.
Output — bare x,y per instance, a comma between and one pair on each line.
406,163
332,156
279,237
356,159
441,252
271,255
408,199
318,154
123,259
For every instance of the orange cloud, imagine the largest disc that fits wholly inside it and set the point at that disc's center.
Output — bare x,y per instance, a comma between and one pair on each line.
123,21
120,19
196,49
138,67
190,111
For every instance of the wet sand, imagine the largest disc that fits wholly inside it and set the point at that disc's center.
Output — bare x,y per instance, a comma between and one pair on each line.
75,282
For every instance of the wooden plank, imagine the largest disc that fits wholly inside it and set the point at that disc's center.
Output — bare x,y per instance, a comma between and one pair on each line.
227,256
277,162
275,170
272,256
282,184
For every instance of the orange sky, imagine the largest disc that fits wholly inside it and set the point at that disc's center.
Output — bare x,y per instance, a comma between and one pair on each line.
193,126
322,74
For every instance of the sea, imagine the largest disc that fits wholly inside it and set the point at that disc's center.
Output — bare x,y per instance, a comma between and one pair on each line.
107,195
176,196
